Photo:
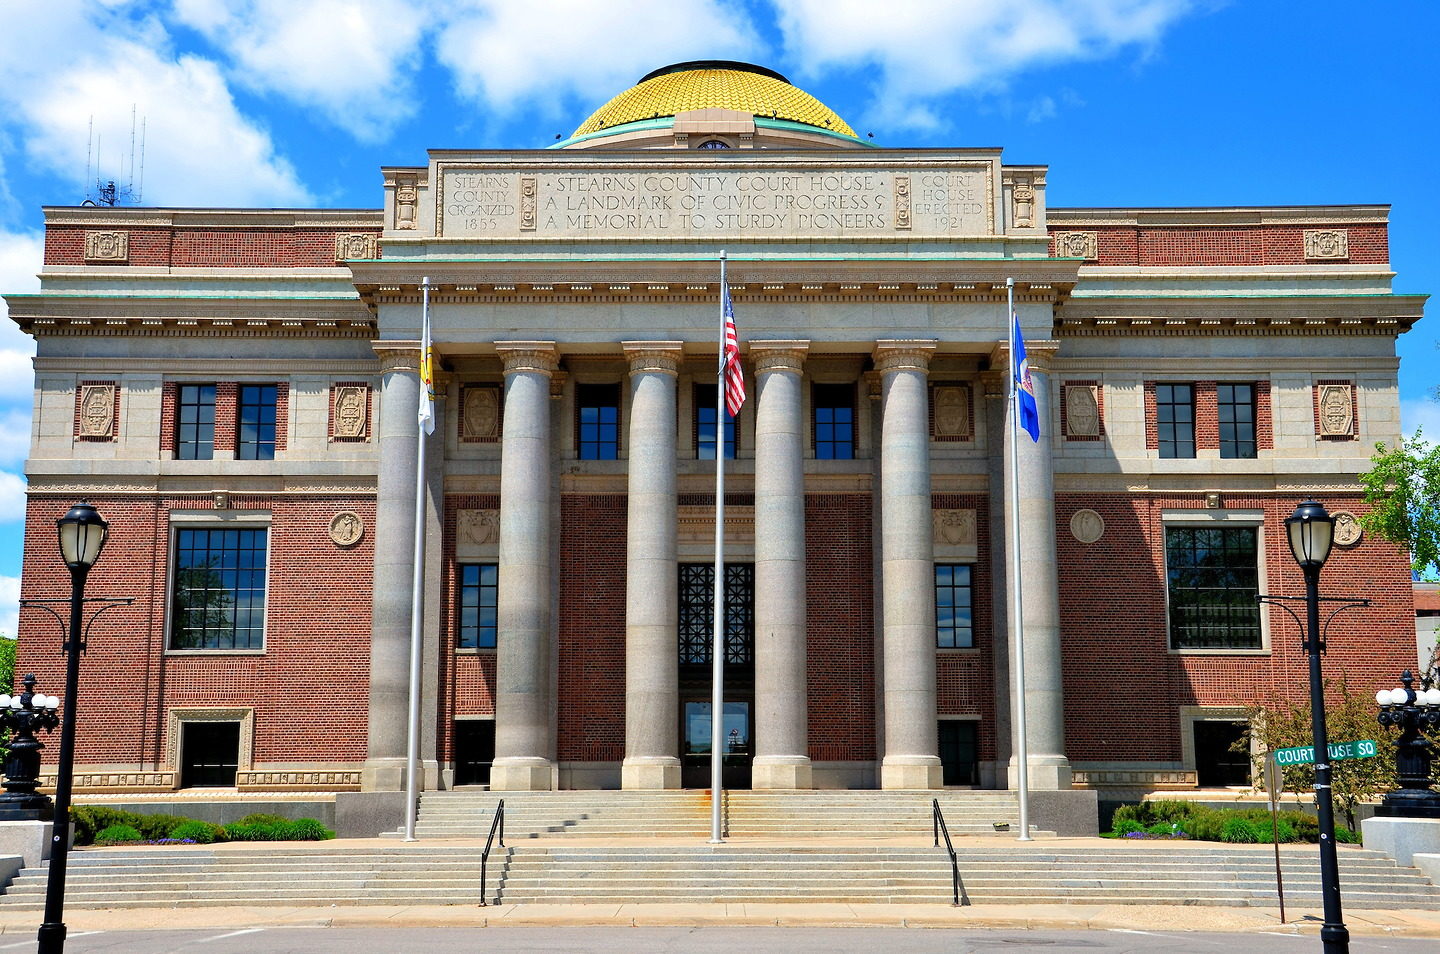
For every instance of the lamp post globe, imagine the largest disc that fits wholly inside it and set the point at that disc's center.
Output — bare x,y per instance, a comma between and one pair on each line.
82,532
1311,531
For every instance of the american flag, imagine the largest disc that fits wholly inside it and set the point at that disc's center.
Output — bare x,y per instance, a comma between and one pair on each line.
734,378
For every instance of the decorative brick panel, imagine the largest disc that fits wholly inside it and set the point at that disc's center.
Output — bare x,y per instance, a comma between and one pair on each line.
1152,421
1207,417
208,247
1264,422
317,640
169,398
1099,410
1225,245
592,628
840,627
957,422
1115,631
366,403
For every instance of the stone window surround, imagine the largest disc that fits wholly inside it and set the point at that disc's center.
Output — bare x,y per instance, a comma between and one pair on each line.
1204,518
225,519
174,731
1189,715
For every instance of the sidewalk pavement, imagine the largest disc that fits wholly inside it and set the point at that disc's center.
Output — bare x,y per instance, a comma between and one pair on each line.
1062,917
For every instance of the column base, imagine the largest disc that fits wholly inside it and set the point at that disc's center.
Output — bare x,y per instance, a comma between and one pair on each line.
522,774
781,773
1047,773
650,773
910,772
383,775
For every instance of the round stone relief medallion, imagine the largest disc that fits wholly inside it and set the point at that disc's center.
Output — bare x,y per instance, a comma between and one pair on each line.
1087,526
346,528
1347,529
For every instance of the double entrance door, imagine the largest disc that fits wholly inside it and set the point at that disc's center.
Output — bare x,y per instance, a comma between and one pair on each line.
696,653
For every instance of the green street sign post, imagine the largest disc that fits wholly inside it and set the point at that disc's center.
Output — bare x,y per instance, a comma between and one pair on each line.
1305,754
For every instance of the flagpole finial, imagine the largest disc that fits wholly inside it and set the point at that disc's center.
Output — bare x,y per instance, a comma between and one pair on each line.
1010,282
722,255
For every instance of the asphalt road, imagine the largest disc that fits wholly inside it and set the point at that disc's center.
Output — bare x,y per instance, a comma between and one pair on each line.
698,940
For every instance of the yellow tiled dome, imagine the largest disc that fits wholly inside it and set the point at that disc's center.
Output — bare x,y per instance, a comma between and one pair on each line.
705,84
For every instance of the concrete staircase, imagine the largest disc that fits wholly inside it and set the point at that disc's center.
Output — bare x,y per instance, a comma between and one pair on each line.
994,872
820,814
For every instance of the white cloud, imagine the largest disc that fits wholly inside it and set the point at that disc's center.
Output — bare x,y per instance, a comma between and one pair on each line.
12,498
9,606
927,48
20,256
62,63
1422,413
353,61
14,435
516,54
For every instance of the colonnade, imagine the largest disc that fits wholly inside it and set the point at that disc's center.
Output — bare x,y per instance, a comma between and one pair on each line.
524,737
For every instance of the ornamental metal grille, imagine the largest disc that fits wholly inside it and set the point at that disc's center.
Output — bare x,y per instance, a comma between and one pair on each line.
1214,579
697,612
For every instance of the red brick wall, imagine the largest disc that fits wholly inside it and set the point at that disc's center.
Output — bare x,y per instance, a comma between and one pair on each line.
317,641
965,682
1124,688
840,629
1227,245
592,628
207,247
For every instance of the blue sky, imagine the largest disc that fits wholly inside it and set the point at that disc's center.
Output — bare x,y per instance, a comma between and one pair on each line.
1130,102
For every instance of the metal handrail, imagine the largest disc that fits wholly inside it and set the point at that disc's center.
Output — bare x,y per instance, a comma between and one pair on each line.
957,887
499,823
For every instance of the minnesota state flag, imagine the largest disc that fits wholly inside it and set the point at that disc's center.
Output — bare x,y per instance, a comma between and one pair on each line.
1024,386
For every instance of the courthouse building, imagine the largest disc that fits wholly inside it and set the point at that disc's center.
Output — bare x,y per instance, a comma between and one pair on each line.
236,391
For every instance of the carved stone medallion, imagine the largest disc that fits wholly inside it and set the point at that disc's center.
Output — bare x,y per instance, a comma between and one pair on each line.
1087,526
477,528
1084,245
952,412
1337,410
355,245
1082,410
480,414
406,198
97,410
351,411
1327,243
346,528
107,246
955,528
528,192
902,202
1347,529
1022,200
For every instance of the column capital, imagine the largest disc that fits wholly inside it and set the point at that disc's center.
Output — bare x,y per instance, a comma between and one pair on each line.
534,356
898,354
1038,354
778,355
654,357
397,355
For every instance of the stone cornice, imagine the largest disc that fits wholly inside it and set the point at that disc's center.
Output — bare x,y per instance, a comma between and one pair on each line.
179,317
119,216
397,355
1220,215
1038,354
647,357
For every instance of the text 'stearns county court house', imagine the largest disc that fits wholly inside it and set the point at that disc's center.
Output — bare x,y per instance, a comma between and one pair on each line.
236,391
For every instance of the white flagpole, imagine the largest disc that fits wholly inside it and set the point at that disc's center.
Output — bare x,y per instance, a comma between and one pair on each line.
417,595
1022,755
717,651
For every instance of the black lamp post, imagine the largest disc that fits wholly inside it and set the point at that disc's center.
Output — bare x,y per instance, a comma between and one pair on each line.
25,713
82,535
1411,710
1311,531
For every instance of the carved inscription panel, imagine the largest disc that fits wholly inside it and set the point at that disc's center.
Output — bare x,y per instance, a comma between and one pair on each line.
759,202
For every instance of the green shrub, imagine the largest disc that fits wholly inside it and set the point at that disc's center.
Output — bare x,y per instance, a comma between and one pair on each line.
1240,831
118,835
89,820
1126,826
157,826
261,818
308,829
1164,828
1125,813
1284,831
200,832
1345,836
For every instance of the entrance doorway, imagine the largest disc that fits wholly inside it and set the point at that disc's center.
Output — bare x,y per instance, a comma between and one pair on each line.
696,651
1216,762
474,751
209,754
959,757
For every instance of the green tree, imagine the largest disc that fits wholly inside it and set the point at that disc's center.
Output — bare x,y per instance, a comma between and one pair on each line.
1280,723
1403,493
7,683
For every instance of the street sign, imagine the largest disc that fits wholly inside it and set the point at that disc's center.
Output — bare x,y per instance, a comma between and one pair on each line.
1305,754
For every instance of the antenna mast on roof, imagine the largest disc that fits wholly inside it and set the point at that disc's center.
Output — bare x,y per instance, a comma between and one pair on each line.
107,191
